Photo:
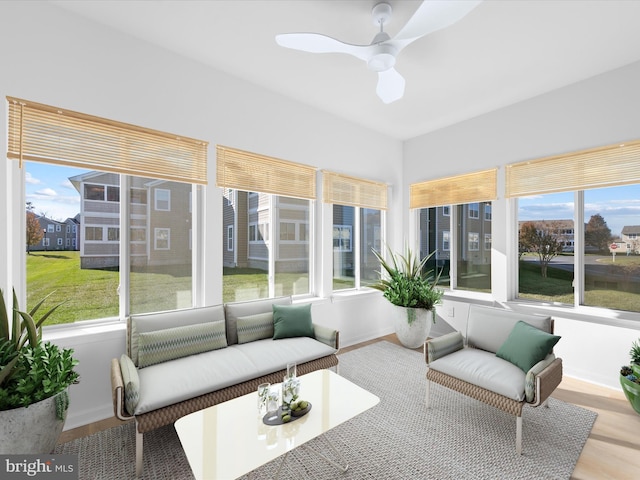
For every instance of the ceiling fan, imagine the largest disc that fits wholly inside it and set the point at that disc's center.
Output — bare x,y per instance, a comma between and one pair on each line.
380,54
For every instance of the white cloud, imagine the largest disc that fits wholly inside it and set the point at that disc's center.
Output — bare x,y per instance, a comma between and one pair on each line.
47,192
67,184
30,179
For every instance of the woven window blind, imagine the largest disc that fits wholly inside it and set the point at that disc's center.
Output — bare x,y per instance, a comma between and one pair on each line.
357,192
43,133
253,172
460,189
594,168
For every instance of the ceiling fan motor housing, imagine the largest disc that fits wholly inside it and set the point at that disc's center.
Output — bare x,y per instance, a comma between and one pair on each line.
383,59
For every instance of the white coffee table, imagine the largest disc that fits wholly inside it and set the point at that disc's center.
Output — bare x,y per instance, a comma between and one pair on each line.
229,440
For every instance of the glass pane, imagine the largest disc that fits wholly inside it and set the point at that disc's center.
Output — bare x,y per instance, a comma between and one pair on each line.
546,239
370,239
612,275
83,270
161,273
474,249
291,250
435,228
343,255
245,249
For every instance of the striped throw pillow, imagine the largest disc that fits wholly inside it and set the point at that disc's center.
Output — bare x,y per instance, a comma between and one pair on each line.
255,327
171,343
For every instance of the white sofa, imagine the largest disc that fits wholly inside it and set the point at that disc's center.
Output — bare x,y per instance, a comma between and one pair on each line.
182,361
504,359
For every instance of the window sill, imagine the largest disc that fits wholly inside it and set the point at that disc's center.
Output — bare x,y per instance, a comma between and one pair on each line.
344,295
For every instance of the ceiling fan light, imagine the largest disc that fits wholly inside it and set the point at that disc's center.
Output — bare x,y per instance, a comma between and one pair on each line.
383,59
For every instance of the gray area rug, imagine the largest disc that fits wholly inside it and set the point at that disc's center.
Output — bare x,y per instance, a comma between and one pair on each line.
458,438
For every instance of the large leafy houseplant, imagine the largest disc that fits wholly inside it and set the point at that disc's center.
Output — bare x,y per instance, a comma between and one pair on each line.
406,282
31,370
630,377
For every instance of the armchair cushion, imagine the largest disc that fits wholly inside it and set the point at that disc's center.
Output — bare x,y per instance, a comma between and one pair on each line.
526,345
255,327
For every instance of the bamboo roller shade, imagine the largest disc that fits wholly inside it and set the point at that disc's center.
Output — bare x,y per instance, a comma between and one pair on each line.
594,168
252,172
43,133
357,192
467,188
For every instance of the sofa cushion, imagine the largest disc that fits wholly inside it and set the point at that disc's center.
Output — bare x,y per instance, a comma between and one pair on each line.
489,327
171,343
255,327
233,311
188,377
526,345
269,356
131,383
149,322
485,370
292,321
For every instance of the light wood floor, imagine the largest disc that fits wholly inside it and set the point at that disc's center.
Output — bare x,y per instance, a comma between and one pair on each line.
612,450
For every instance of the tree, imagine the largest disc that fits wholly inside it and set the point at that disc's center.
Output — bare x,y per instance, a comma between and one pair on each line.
597,233
34,231
542,242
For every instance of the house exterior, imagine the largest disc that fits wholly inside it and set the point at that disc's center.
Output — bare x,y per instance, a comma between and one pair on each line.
562,230
631,237
57,235
160,212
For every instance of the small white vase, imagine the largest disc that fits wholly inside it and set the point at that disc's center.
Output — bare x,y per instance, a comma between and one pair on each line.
412,325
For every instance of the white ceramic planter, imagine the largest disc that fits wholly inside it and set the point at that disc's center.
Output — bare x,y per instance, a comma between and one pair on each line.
414,334
31,430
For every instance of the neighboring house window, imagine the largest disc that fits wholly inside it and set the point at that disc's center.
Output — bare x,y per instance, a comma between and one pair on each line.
113,194
59,242
138,234
474,241
73,242
487,241
113,234
263,232
487,212
46,242
93,234
302,232
58,228
68,228
162,199
253,229
445,211
50,228
446,241
287,231
230,238
162,239
342,238
93,192
474,210
138,196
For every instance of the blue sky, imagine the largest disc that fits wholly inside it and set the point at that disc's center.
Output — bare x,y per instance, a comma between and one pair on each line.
50,191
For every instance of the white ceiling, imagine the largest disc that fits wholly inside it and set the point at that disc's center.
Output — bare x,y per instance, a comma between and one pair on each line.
503,52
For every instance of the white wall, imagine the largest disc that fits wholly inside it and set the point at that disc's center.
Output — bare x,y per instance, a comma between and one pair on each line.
54,57
599,111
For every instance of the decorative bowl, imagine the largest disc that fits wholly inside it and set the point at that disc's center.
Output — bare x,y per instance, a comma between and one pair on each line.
300,413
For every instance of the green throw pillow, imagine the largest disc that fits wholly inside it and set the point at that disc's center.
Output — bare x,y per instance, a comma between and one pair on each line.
526,345
292,321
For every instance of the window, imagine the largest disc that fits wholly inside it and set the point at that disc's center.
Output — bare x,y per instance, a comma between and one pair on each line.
370,239
59,241
303,228
163,199
230,238
445,211
287,231
93,234
113,234
446,239
138,234
68,242
566,256
253,233
342,237
58,228
45,242
93,192
68,228
50,228
113,194
162,237
474,242
138,196
474,210
487,241
487,212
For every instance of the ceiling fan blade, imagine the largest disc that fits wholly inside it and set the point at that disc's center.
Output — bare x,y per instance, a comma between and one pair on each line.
317,43
431,16
390,85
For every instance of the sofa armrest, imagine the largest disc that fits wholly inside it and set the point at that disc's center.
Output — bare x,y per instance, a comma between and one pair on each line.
546,382
117,387
440,346
327,336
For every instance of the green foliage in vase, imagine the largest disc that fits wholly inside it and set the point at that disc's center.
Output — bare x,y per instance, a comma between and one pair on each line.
30,370
634,353
405,281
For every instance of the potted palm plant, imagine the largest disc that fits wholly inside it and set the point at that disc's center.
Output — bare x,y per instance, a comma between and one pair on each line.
34,381
408,285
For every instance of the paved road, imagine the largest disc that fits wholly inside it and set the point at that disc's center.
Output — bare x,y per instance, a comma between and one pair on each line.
591,265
